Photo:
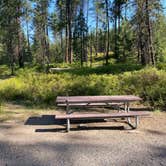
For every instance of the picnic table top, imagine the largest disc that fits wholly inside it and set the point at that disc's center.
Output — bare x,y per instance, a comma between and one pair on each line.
97,99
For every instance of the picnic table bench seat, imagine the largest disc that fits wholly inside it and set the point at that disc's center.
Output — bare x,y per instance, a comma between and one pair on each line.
135,114
102,115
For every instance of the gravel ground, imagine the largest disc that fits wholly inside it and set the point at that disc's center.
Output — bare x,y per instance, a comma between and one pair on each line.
37,143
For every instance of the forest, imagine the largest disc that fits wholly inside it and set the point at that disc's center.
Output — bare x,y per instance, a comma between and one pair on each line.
107,47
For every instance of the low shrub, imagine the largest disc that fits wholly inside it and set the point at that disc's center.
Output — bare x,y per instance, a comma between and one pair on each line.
110,69
39,88
149,83
161,66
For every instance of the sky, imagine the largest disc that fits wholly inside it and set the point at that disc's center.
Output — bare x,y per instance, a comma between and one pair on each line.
91,20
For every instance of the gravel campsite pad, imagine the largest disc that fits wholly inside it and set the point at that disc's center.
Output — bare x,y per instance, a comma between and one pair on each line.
38,141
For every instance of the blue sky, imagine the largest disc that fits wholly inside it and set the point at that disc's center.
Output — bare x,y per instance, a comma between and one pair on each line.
91,22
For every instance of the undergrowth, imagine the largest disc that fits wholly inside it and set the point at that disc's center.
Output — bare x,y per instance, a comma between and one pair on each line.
39,88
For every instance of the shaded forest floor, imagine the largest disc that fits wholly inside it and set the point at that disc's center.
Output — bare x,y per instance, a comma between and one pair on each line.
32,137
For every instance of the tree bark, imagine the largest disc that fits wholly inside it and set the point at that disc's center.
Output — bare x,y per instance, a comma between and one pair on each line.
115,39
149,30
96,38
19,40
69,30
108,32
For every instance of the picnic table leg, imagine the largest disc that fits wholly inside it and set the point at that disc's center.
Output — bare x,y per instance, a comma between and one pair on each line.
128,110
136,121
68,125
68,120
125,107
67,107
135,125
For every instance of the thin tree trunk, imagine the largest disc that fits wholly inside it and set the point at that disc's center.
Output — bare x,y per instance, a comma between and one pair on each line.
108,32
27,34
91,59
47,49
115,40
97,24
87,19
20,51
119,15
10,54
125,36
69,30
66,34
151,49
61,36
66,38
19,40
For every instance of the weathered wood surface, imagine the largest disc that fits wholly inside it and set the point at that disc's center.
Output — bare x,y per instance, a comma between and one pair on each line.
102,115
90,104
97,99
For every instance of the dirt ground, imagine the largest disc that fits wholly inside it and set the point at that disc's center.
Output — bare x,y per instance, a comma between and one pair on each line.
33,138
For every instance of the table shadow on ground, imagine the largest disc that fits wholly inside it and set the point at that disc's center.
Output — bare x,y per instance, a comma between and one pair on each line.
50,120
63,130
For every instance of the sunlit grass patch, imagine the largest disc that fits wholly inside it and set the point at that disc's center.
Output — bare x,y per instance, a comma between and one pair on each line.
18,113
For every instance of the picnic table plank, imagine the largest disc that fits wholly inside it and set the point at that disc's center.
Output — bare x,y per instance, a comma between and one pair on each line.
97,99
102,115
89,104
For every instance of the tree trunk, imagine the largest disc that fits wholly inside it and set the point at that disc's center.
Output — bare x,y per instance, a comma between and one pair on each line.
69,30
10,54
87,19
151,49
91,50
107,38
47,48
19,40
96,39
115,40
67,45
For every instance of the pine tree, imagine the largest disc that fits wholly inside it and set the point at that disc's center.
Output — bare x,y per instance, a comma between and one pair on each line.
10,13
41,38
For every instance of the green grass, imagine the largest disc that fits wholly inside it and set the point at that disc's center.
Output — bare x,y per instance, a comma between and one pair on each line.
19,113
157,110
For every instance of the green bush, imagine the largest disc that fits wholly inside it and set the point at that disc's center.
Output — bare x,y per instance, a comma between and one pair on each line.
4,71
39,88
161,66
110,69
148,84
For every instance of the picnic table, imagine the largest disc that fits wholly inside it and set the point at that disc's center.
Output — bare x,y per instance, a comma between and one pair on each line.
90,101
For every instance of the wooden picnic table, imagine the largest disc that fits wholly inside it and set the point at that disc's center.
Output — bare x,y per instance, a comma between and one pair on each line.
79,101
